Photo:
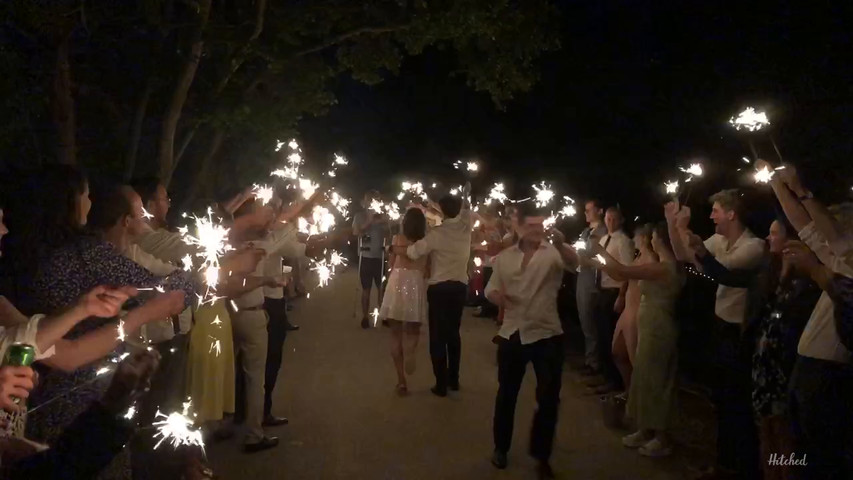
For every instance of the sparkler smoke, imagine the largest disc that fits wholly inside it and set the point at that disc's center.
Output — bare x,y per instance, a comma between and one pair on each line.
671,187
264,193
544,194
212,238
750,120
176,428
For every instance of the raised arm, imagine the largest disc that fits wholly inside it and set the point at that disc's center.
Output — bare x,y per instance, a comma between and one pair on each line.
647,271
676,219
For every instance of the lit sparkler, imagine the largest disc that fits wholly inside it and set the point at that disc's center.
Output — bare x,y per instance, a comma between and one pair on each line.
496,194
579,245
375,315
477,261
122,336
102,371
764,175
694,170
750,120
131,412
473,167
544,194
671,187
215,346
339,203
600,259
212,238
146,215
264,193
308,188
177,429
187,262
324,272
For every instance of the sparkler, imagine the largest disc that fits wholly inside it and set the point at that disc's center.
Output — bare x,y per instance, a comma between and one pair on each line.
497,194
764,175
339,203
671,187
473,167
750,120
131,412
187,262
212,238
544,194
176,429
375,315
215,346
324,272
308,188
549,222
264,193
146,215
477,261
579,245
694,170
600,259
122,336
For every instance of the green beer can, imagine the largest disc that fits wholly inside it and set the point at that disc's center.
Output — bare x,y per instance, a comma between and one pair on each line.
20,355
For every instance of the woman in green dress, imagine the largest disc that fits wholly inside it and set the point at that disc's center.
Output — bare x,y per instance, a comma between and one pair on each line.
652,397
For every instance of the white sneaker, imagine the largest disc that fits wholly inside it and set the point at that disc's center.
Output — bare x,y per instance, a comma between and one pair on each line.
635,440
655,448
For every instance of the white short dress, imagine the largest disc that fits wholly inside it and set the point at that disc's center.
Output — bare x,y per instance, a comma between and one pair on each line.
405,297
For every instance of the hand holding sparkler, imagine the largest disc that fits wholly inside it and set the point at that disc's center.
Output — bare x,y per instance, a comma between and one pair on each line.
244,261
132,378
103,302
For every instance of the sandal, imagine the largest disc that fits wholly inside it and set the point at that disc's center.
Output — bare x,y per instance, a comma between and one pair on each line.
402,390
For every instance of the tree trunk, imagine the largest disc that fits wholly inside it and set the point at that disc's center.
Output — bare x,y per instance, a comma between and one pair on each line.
136,130
203,169
63,105
179,97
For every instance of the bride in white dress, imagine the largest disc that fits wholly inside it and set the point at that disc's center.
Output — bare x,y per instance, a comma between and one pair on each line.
404,305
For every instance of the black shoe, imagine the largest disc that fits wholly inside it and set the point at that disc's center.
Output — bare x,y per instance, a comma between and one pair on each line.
271,421
365,324
222,434
265,444
454,386
499,459
440,392
544,471
292,328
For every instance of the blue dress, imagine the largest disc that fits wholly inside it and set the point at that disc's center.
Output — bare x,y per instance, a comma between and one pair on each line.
60,279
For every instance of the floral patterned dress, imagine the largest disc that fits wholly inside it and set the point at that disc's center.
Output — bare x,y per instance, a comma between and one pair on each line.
66,274
778,330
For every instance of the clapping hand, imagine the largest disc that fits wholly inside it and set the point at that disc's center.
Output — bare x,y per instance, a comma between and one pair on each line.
800,256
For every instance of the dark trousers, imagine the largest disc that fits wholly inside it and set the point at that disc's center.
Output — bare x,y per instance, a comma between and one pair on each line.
547,358
277,330
737,434
167,393
489,309
605,325
821,399
446,302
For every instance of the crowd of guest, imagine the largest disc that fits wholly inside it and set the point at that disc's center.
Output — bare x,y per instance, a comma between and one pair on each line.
96,280
780,373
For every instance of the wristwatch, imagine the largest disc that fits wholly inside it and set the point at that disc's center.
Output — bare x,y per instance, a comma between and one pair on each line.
806,196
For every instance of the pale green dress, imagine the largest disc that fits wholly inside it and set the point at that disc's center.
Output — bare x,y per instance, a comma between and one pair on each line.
652,398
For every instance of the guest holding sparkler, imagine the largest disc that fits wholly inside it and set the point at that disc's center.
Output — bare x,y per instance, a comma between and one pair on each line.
610,301
625,334
821,391
104,425
587,289
55,261
449,247
652,398
404,304
371,228
736,248
525,282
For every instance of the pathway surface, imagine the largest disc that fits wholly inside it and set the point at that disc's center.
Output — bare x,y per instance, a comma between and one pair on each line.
337,388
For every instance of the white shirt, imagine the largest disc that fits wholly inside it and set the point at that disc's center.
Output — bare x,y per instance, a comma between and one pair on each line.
24,332
272,268
533,312
745,254
622,249
165,245
273,244
449,247
820,338
161,330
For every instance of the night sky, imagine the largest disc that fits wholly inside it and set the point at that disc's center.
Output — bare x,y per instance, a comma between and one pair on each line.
638,88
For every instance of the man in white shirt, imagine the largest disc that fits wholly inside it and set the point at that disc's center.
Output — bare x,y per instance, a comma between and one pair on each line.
449,248
621,247
736,248
525,282
252,223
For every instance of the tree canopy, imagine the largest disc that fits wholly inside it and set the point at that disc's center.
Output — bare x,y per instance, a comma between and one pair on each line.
201,89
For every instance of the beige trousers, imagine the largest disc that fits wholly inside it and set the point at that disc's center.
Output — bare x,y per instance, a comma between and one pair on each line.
250,340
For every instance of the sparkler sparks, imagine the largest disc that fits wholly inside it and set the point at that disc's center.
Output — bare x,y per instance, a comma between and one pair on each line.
497,194
146,215
473,167
671,187
187,262
478,261
544,194
122,336
694,170
324,273
600,259
176,428
339,203
212,238
215,346
308,188
375,315
131,412
579,245
264,193
750,120
102,371
764,175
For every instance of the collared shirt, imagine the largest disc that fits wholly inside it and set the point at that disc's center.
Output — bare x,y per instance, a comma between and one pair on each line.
746,254
621,248
161,330
586,275
449,248
24,332
273,244
165,245
820,338
533,289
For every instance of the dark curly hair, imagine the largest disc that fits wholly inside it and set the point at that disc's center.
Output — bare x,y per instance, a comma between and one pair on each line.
414,224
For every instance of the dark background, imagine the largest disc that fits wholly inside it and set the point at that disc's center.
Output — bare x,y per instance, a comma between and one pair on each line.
638,88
